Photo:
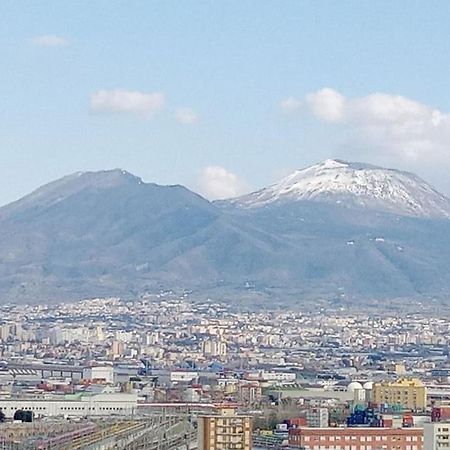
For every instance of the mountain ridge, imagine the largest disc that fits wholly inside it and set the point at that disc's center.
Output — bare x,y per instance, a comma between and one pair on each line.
358,184
108,233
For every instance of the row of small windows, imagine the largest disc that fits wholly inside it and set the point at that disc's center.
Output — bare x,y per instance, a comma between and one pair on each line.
67,408
32,408
362,447
362,438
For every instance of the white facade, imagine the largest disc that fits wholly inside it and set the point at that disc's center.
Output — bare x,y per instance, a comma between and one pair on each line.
99,373
182,375
95,405
278,376
359,395
436,436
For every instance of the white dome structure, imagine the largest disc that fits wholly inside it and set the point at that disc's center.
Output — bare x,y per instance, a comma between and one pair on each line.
353,386
368,385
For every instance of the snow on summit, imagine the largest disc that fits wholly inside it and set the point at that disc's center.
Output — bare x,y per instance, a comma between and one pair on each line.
354,185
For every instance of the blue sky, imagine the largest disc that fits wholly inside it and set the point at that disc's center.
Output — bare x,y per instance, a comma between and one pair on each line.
221,96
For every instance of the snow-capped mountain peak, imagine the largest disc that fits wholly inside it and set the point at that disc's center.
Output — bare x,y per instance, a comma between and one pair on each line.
354,185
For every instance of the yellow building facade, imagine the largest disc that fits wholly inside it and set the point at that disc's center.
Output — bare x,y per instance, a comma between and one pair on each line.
225,430
409,393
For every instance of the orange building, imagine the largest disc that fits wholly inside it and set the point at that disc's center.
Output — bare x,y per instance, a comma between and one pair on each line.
225,430
358,438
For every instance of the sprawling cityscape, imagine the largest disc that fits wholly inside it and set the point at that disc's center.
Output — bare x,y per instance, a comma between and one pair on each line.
108,373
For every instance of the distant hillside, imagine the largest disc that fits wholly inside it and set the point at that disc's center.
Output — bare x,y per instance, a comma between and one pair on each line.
334,231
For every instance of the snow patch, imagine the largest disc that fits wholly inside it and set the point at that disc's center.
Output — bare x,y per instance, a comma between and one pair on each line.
354,184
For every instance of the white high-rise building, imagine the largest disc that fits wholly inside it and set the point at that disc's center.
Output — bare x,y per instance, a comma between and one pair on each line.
436,436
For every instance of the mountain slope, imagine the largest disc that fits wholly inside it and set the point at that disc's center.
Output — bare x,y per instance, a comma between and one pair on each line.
314,235
354,185
108,233
335,252
355,231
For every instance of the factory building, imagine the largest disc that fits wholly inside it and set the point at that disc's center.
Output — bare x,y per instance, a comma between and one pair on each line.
119,404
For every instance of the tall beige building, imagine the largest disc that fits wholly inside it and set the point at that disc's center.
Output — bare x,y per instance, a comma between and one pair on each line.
409,393
225,430
214,348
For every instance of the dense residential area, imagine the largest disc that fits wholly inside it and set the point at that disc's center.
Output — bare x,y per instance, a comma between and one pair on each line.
298,378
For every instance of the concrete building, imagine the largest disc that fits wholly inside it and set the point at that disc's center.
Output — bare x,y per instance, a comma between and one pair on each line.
99,373
73,405
440,413
270,376
436,436
317,417
358,438
400,369
249,393
117,349
185,376
409,393
225,430
214,348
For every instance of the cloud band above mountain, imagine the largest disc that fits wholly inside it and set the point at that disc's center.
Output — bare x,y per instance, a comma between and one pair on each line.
216,183
123,101
389,127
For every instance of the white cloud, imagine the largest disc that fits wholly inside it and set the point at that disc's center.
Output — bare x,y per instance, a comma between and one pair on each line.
49,40
123,101
217,183
384,108
290,104
327,104
387,127
186,116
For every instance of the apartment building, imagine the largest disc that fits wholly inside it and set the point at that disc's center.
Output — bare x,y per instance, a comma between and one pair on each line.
317,417
225,430
409,393
249,393
358,438
436,436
